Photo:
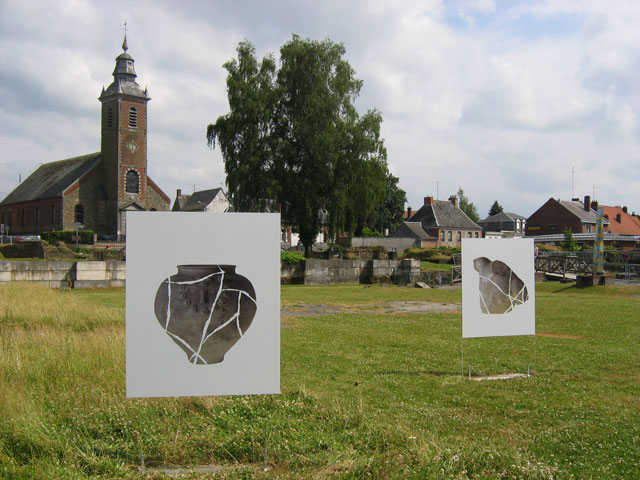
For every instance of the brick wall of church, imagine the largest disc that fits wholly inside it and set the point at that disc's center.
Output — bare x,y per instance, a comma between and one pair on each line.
84,193
156,201
32,217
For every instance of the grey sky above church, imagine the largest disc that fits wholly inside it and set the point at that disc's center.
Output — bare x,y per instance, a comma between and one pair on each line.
501,98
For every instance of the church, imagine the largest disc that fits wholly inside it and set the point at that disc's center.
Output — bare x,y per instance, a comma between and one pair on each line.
94,191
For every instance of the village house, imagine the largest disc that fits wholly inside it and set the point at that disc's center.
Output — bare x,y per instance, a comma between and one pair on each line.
212,200
94,191
555,216
444,220
503,225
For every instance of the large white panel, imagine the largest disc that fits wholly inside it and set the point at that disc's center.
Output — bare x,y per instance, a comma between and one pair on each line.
498,287
163,310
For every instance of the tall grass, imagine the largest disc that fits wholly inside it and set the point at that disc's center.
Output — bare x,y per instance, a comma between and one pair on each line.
364,396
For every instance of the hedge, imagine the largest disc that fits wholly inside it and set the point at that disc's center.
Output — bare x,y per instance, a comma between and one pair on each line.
67,236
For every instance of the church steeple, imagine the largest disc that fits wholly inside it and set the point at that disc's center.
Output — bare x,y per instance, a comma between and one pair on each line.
124,77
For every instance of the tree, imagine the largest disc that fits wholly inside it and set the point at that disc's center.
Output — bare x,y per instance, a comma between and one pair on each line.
467,207
569,244
390,214
495,209
293,136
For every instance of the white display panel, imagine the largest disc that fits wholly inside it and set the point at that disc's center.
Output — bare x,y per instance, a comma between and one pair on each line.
205,328
498,287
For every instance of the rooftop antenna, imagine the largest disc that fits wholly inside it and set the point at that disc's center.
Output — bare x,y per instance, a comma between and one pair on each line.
437,189
594,191
573,171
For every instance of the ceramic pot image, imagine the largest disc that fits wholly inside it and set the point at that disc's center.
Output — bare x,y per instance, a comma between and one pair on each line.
501,290
205,309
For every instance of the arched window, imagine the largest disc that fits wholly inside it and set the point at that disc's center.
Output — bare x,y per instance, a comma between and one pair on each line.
110,117
132,183
22,217
2,218
79,213
133,117
9,220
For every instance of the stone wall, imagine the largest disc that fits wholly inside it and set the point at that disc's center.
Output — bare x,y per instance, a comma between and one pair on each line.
61,274
330,272
389,243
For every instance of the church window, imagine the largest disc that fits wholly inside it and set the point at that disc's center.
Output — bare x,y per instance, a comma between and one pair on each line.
53,214
37,215
9,220
132,184
79,213
2,218
133,117
110,117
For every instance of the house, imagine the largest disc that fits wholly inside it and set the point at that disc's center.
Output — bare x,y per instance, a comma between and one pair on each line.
555,216
503,225
212,200
620,222
94,191
415,231
444,220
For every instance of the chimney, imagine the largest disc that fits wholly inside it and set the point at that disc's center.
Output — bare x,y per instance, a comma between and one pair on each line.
454,199
624,209
619,218
575,199
428,200
594,205
409,212
179,192
587,203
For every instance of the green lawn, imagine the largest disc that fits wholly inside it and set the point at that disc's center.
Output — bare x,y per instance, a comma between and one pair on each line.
363,395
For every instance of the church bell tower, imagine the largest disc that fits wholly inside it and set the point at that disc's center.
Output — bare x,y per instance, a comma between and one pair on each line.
123,147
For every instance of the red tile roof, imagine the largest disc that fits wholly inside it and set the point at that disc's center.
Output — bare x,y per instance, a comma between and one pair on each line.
620,222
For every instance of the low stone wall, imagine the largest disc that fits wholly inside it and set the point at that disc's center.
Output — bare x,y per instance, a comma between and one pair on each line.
63,274
389,243
329,272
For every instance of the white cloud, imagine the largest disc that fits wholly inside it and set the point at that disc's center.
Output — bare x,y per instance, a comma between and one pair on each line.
499,98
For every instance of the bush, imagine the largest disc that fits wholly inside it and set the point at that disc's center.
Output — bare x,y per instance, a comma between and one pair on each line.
67,236
367,232
291,258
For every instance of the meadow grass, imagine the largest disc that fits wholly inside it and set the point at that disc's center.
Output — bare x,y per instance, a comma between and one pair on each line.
363,395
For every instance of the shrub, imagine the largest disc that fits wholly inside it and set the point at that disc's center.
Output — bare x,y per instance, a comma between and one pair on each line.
367,232
57,236
291,258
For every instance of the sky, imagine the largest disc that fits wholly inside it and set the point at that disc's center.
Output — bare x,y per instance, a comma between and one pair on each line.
514,101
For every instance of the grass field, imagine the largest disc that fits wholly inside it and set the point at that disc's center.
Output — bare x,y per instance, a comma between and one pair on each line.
363,395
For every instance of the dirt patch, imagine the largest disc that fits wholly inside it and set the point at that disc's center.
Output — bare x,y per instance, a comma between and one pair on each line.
559,335
386,308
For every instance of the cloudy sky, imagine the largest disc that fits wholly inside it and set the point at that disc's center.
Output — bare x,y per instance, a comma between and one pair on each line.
515,101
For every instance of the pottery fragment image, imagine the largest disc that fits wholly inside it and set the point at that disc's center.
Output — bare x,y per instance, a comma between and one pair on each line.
501,290
205,310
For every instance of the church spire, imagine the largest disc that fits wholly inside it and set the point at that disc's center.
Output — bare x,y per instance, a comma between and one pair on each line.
125,45
124,75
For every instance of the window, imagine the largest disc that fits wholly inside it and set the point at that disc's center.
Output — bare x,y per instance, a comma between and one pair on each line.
2,218
37,215
9,220
133,117
459,236
442,235
476,234
517,225
449,235
552,226
79,213
132,182
110,117
469,234
22,217
53,214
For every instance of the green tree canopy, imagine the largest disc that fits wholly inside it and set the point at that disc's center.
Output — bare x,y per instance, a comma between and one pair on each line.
390,214
495,209
466,206
294,137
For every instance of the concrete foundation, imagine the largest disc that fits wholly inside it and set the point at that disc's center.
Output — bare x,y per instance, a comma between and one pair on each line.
61,274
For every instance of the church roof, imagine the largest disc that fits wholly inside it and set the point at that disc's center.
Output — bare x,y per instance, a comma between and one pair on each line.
51,179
